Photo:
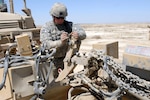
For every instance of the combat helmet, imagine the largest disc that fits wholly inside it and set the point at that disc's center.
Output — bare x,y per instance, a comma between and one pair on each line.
59,10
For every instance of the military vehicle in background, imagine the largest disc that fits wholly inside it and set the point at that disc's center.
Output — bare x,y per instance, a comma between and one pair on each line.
12,24
19,32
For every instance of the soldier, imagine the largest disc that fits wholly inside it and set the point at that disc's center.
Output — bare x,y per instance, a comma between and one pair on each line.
55,34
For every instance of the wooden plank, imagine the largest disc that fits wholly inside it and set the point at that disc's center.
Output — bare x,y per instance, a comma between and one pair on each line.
24,45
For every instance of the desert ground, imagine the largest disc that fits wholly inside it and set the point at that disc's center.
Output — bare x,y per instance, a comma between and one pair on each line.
123,33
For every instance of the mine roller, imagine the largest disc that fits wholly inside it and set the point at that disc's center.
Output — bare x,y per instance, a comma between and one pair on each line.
26,67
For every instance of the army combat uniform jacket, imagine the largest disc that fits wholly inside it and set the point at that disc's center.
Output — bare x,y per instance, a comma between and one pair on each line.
50,36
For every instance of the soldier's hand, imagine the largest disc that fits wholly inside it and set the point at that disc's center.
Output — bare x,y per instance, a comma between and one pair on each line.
64,37
75,35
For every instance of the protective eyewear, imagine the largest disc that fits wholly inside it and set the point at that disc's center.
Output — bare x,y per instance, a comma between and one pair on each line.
59,17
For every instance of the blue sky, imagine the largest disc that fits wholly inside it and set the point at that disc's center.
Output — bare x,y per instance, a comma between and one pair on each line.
90,11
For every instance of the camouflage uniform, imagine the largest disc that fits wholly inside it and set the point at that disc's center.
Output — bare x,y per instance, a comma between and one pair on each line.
50,36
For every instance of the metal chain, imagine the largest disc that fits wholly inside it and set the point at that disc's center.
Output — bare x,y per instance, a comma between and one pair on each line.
126,80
